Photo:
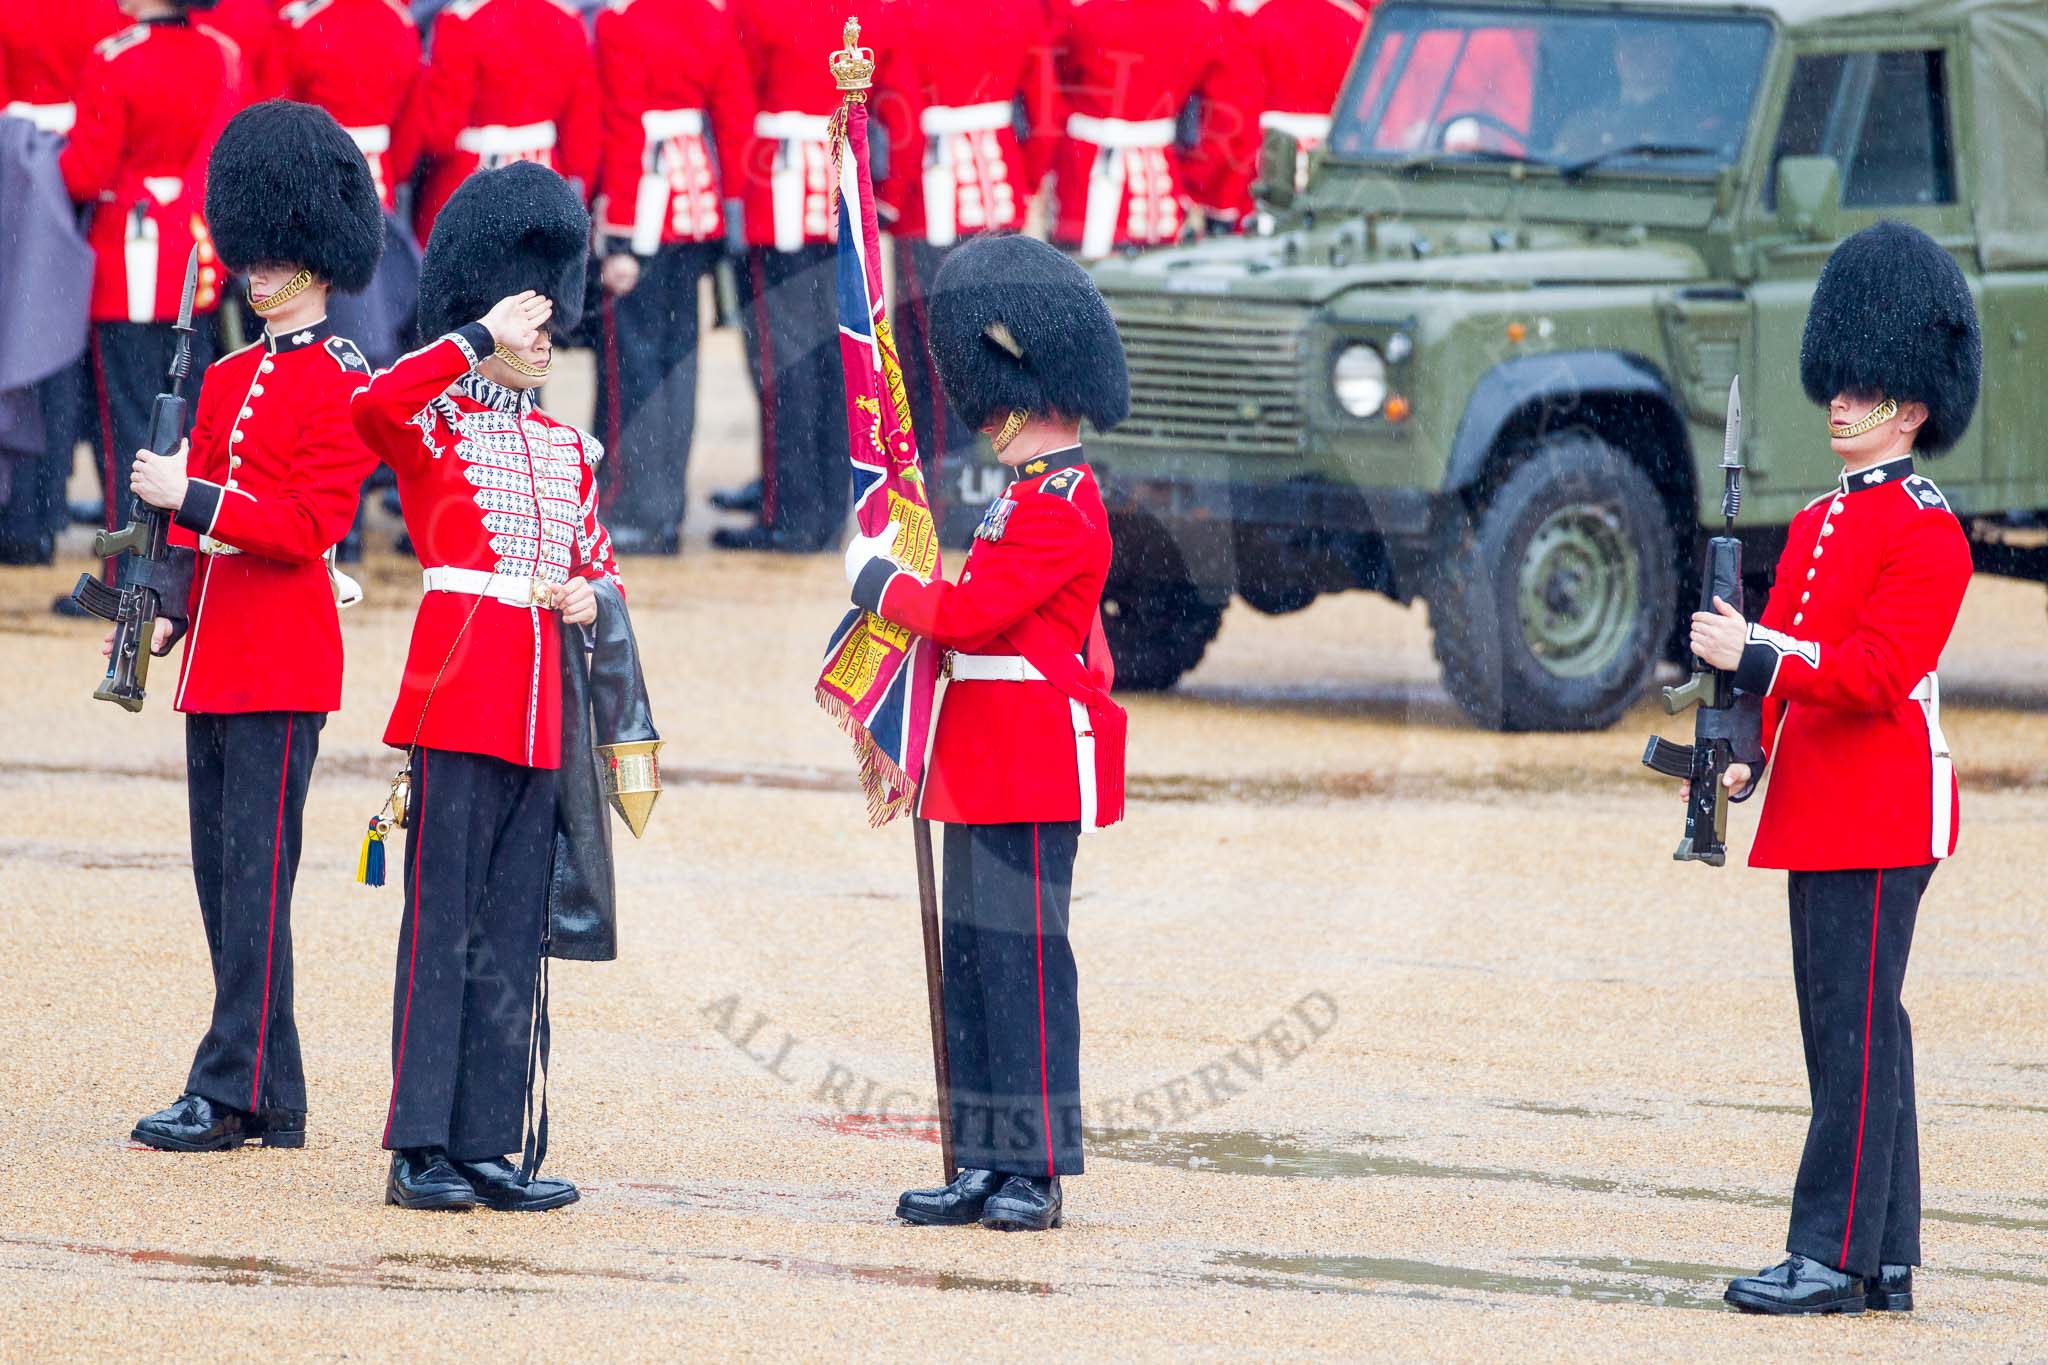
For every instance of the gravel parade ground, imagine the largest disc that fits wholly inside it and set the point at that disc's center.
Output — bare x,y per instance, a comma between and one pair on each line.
1401,1039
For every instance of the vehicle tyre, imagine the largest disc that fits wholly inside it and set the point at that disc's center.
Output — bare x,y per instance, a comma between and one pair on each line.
1156,631
1554,598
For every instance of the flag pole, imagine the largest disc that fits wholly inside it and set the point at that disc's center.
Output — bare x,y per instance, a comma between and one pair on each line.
853,69
935,988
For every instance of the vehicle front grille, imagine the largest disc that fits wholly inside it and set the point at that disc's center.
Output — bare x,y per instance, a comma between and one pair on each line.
1210,375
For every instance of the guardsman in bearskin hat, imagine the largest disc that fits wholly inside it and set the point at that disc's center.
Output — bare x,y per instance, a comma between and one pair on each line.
267,486
1862,802
1026,350
151,101
500,502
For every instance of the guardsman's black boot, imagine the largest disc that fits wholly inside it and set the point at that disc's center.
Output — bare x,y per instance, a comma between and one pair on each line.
422,1178
1797,1285
1024,1204
954,1205
196,1124
1891,1291
499,1185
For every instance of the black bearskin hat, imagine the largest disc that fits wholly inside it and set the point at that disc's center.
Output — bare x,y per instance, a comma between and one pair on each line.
503,232
1892,315
1016,324
286,186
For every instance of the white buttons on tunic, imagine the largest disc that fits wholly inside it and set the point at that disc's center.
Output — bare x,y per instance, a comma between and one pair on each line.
234,462
1797,617
238,436
248,412
255,388
1809,575
1806,597
1827,530
1816,549
266,367
1838,506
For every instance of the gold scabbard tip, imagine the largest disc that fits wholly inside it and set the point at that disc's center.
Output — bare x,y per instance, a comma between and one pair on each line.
853,66
632,780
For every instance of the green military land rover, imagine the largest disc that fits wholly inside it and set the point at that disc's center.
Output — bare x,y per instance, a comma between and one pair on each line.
1482,355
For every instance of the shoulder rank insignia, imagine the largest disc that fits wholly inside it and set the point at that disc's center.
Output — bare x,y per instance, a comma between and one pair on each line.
1062,484
347,354
995,520
1926,494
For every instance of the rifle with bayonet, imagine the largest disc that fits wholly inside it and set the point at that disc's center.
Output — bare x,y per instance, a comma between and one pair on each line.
151,578
1728,727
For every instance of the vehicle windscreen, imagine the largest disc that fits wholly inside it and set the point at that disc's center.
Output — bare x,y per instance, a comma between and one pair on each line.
1575,89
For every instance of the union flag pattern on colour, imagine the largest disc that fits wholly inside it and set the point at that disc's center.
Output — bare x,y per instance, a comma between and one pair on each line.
879,681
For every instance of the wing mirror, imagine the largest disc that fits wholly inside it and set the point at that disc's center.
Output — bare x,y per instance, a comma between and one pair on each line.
1809,197
1279,165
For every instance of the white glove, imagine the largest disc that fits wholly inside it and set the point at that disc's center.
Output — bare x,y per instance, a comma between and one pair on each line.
866,549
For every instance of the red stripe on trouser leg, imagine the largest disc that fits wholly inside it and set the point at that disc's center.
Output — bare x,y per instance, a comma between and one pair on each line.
1863,1104
419,856
765,340
270,941
1038,944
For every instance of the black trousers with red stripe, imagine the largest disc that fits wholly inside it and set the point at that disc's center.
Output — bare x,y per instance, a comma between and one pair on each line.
1013,1014
1856,1205
789,311
246,779
945,444
477,852
647,390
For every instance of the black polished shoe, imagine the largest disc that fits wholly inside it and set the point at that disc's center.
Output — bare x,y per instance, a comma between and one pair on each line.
195,1124
1024,1204
954,1205
1891,1291
497,1182
422,1178
637,540
1797,1285
745,498
765,538
279,1127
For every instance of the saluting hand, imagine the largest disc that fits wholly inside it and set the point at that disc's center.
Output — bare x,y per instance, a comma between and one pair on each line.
160,480
1719,635
515,322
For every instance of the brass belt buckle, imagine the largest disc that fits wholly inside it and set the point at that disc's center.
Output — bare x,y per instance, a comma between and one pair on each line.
946,665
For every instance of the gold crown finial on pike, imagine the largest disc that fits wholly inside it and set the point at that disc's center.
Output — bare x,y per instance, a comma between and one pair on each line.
853,67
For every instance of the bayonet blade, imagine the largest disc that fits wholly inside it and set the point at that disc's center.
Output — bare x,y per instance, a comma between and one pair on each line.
191,288
1731,442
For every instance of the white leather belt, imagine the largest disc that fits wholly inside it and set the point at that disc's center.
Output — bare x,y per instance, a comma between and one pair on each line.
941,120
991,668
792,127
500,139
662,124
374,140
513,592
51,118
1311,128
1116,132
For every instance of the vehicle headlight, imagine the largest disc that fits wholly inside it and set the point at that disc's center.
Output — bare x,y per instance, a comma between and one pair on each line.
1359,379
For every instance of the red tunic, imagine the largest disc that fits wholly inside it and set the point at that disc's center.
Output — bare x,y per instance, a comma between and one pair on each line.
508,80
976,61
251,25
1287,61
1127,68
276,471
489,482
152,100
43,48
789,171
678,113
1844,655
1004,751
317,57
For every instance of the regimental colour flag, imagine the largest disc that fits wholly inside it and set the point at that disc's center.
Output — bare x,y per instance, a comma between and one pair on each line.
879,681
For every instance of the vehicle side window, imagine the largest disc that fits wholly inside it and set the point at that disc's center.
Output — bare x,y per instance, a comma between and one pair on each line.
1883,116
